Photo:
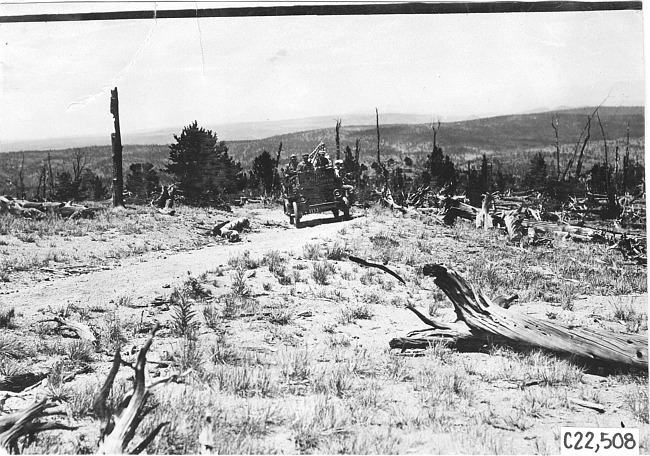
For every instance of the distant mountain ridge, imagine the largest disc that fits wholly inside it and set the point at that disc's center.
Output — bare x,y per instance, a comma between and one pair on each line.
250,131
225,132
463,140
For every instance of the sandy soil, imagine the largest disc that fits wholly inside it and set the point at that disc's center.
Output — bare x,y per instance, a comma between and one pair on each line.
151,275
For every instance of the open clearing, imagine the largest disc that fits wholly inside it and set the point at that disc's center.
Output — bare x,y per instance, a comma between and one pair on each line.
287,340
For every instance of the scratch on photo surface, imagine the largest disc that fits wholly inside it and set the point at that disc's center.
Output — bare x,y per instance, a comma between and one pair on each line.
113,82
198,25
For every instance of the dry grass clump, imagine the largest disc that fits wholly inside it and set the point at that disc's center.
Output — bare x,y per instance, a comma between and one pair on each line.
636,399
274,260
352,312
335,251
322,271
243,261
311,251
7,317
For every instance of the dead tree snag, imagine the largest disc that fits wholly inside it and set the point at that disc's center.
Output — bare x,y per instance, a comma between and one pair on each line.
555,125
27,422
116,142
118,428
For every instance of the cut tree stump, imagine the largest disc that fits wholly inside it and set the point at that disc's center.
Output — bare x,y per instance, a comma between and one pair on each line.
481,322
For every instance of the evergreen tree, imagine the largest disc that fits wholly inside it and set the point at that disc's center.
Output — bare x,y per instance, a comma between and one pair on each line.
264,173
439,170
537,174
65,188
91,186
142,180
201,165
485,175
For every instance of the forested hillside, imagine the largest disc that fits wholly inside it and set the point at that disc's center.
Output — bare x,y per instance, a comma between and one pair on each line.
510,141
460,140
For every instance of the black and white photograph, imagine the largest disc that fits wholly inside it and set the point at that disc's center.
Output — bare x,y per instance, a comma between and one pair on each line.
323,228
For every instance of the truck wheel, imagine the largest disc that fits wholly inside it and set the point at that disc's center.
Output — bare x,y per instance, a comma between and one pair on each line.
296,214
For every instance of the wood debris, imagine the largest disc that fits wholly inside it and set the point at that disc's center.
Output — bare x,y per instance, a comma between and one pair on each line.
40,210
118,427
82,331
231,229
481,322
27,422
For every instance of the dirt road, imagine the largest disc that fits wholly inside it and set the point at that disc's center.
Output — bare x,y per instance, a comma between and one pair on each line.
143,278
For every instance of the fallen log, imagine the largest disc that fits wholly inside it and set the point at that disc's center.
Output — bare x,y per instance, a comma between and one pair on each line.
590,405
81,330
231,230
481,322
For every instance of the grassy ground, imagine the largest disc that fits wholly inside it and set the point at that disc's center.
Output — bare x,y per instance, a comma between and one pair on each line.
288,347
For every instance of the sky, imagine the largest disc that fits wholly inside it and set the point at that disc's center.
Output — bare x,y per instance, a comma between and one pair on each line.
55,77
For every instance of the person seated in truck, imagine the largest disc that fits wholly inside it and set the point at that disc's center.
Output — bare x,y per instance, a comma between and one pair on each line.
321,160
341,178
305,165
292,167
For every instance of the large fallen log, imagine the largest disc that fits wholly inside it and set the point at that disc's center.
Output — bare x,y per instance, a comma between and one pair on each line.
38,210
481,322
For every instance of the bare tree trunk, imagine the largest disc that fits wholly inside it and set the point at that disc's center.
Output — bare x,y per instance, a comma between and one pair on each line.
378,139
50,175
42,182
611,192
79,161
116,141
357,152
21,180
555,125
575,151
338,144
275,170
582,151
626,160
435,130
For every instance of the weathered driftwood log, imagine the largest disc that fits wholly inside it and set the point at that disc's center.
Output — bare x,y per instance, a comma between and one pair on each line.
480,321
81,330
232,229
26,422
117,429
38,210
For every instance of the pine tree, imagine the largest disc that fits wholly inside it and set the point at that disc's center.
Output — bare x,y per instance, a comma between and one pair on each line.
65,188
264,173
537,175
91,186
142,180
201,166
